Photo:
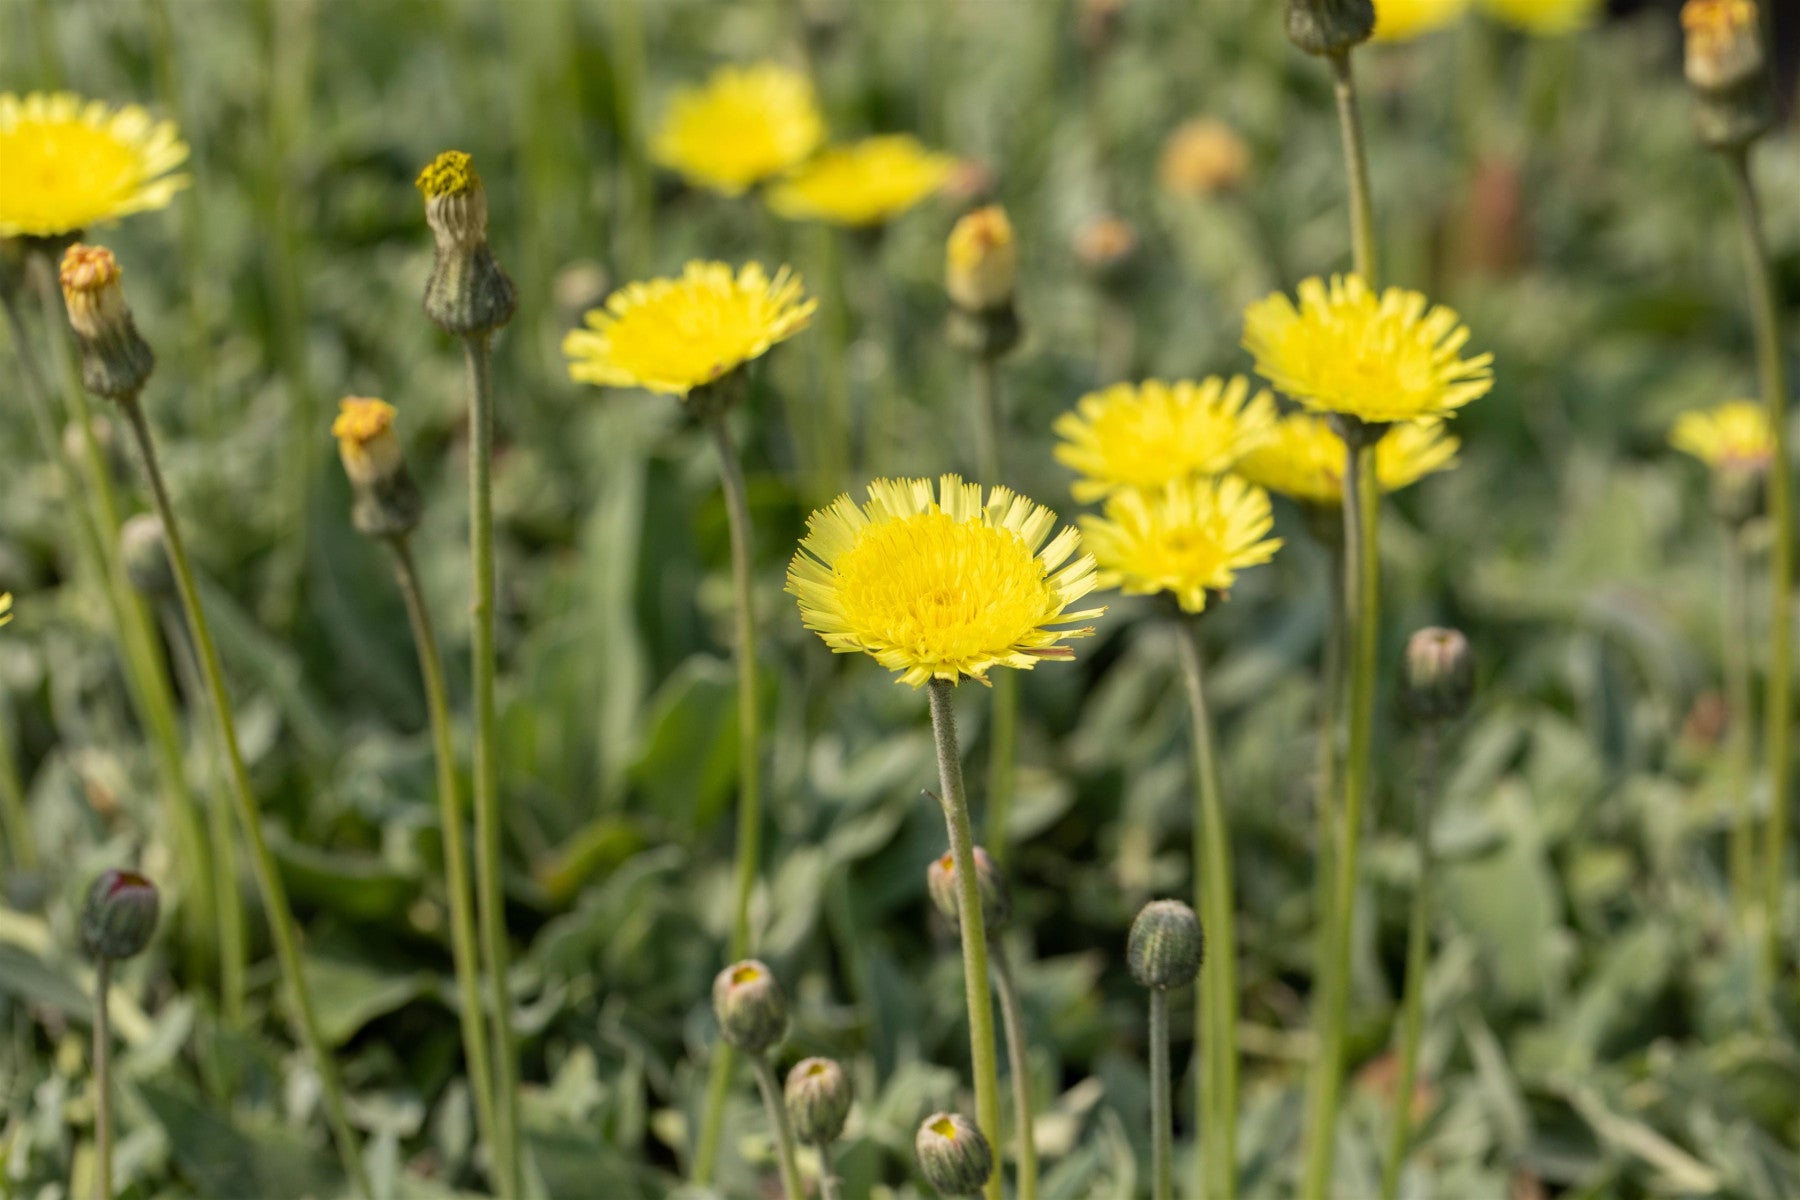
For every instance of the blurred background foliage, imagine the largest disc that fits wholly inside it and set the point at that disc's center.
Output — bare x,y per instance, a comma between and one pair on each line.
1591,1029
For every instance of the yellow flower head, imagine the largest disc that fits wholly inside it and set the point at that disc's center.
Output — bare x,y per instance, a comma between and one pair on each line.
1722,43
1731,437
1304,460
1404,20
1189,539
451,173
1545,18
981,260
71,163
940,585
364,430
1144,435
90,277
673,335
5,607
744,125
864,183
1379,358
1202,156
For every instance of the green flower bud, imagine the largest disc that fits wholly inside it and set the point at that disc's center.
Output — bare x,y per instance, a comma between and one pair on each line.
1329,26
1166,946
468,292
115,360
818,1095
1438,676
953,1154
146,554
119,915
750,1006
996,896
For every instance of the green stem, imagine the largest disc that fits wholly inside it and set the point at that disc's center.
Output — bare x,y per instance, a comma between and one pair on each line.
1418,945
456,852
1003,742
1362,583
1216,998
1356,163
491,895
828,1180
718,1088
14,817
834,453
282,927
984,1059
1162,1114
102,1081
770,1088
1018,1057
1331,700
1739,745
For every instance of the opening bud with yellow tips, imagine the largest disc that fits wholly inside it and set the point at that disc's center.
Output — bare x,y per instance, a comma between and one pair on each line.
750,1006
981,274
953,1155
1329,26
996,896
387,501
1437,676
1166,946
818,1097
1726,63
468,292
115,360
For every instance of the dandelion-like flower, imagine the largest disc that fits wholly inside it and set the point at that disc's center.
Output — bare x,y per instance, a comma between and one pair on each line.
674,335
1190,539
1733,436
744,125
1144,435
1404,20
71,163
1304,460
864,183
364,429
940,584
1380,359
1545,18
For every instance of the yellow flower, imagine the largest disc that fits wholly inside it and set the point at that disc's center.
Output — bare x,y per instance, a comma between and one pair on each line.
72,163
5,607
1545,18
673,335
1189,539
1304,461
744,125
364,430
981,261
1147,434
864,183
941,585
1734,436
1404,20
1201,157
1381,359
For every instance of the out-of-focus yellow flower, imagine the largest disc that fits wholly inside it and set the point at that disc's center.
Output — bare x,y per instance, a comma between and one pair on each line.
1733,436
1722,43
864,183
5,607
1201,157
1404,20
364,430
744,125
67,163
981,261
1144,435
1190,539
1304,460
1545,18
673,335
941,584
1381,359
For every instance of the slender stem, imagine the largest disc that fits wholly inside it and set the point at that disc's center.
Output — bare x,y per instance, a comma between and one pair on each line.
1018,1061
1418,945
778,1121
14,817
718,1088
1778,705
282,927
1162,1114
987,420
491,896
102,1081
456,852
1740,741
1216,998
749,830
828,1180
1003,741
1356,163
984,1060
1331,703
835,435
1362,583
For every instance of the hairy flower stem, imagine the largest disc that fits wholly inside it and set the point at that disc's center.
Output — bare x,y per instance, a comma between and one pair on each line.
833,450
1331,700
102,1081
1162,1114
984,1058
456,851
828,1180
1418,946
1216,997
1018,1057
1003,740
490,894
1740,740
283,929
1356,165
1362,611
770,1088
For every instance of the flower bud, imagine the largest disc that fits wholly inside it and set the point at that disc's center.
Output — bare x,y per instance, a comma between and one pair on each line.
981,261
818,1096
115,361
990,880
1166,946
1202,157
468,292
119,915
750,1006
1104,245
1438,678
387,501
1329,26
953,1154
145,552
1726,63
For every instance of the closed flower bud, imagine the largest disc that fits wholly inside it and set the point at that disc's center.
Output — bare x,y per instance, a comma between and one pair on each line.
996,896
145,552
387,500
468,292
818,1096
981,261
953,1154
1438,677
1166,946
1329,26
119,915
1726,63
750,1006
115,361
1202,157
